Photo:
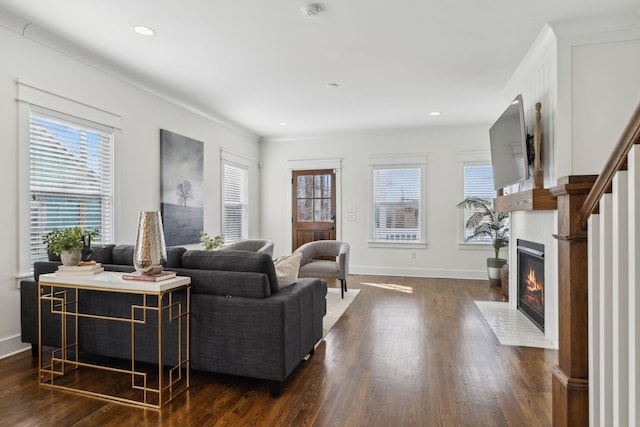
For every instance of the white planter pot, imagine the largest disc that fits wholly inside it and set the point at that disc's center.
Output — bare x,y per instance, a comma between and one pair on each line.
71,258
494,270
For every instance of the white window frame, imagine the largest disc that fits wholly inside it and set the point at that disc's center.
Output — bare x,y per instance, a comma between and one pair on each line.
240,162
31,96
469,158
394,161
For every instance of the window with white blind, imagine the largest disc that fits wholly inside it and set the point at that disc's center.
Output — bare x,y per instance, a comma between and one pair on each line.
70,176
478,182
397,202
235,190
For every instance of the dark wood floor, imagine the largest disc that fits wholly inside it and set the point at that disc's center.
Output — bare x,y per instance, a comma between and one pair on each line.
408,352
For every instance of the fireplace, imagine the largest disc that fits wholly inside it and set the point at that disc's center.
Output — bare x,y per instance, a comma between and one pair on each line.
531,281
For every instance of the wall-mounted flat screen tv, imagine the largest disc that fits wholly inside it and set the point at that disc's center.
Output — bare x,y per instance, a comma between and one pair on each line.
508,140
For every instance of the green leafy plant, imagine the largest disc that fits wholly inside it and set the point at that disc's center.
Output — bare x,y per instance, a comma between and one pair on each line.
210,243
486,221
67,239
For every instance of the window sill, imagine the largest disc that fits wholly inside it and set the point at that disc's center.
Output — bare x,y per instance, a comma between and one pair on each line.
477,246
398,244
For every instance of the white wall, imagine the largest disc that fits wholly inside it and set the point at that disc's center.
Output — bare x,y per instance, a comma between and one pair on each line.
442,257
598,87
606,90
585,74
536,80
137,157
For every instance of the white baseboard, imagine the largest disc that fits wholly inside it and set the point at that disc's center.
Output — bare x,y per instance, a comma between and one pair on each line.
12,345
419,272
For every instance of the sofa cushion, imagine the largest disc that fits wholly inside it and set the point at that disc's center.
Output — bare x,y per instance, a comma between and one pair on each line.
250,262
174,256
122,254
320,268
287,269
227,283
102,253
44,267
251,245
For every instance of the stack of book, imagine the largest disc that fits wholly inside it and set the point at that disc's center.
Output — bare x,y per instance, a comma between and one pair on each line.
87,267
165,275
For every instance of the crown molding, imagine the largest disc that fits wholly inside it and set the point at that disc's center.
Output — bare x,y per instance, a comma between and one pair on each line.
603,27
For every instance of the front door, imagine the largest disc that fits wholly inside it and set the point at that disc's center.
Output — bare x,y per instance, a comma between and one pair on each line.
314,206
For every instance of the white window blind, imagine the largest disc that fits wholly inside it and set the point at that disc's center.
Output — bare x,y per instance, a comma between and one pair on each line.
478,182
397,203
235,184
71,176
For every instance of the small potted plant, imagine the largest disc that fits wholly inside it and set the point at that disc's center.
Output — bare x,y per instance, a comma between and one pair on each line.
68,243
486,221
210,243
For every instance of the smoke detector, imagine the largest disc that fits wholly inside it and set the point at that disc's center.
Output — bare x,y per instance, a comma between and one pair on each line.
311,10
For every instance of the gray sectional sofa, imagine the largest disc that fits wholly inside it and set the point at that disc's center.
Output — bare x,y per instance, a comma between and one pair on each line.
242,323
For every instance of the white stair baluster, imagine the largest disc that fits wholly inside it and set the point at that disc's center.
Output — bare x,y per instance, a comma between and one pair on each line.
633,164
620,299
606,355
595,392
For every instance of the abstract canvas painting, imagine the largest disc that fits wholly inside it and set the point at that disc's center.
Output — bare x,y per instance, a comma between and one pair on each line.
182,203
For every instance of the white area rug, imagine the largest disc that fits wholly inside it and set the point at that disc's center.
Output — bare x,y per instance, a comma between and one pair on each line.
336,306
512,327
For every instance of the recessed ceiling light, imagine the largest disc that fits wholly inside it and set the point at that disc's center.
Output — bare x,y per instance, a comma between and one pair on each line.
282,123
144,31
434,113
333,85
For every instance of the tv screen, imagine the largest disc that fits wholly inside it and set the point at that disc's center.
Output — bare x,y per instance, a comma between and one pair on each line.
508,140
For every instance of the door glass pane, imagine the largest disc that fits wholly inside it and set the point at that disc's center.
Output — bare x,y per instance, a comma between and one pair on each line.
322,186
317,186
322,210
305,210
305,186
326,188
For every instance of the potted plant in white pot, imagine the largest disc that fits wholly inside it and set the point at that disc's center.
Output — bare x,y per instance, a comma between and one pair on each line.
486,221
210,243
67,243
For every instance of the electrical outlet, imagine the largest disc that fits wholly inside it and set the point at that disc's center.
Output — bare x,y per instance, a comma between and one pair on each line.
413,254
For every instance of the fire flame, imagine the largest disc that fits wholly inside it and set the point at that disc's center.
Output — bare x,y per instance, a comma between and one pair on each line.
535,289
532,283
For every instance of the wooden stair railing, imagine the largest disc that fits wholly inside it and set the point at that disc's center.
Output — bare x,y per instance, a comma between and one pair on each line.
578,198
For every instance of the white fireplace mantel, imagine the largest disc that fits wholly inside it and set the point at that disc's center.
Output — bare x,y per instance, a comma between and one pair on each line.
539,227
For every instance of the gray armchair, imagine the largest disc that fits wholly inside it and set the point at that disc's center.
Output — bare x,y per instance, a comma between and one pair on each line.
251,245
311,266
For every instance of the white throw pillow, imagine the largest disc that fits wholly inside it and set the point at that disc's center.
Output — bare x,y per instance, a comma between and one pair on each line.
287,269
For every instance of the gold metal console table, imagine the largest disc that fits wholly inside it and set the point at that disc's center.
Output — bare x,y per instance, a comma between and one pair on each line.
149,385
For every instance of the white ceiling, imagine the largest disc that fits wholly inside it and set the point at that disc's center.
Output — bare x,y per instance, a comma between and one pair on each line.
258,63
